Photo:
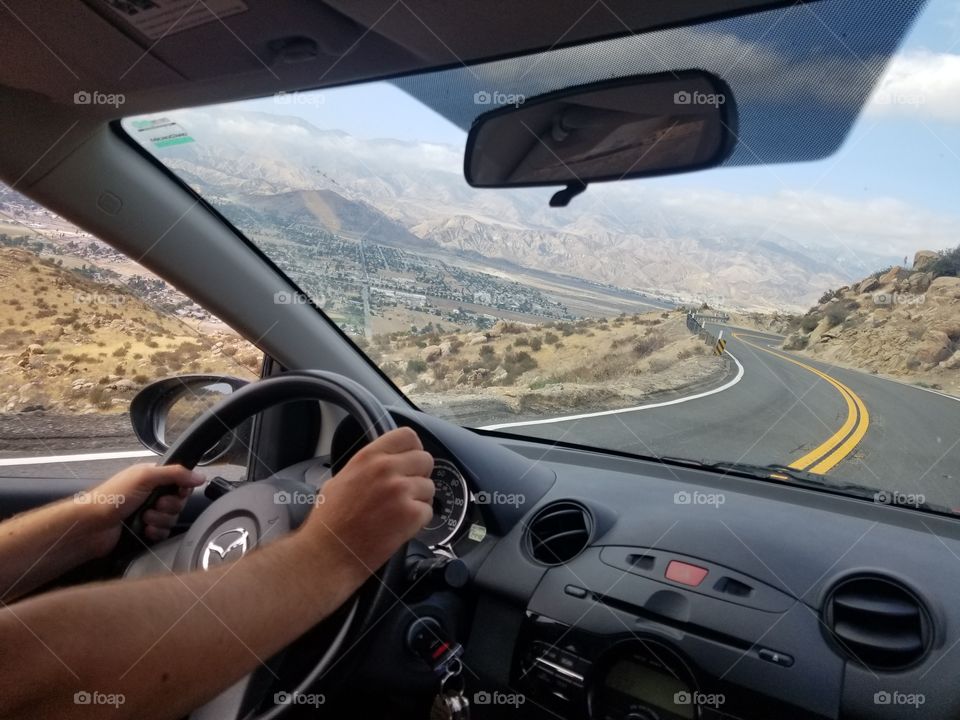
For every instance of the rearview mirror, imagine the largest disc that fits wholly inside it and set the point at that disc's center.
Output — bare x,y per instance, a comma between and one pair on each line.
613,130
162,410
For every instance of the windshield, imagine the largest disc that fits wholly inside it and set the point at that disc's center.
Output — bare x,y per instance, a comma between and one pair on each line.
801,315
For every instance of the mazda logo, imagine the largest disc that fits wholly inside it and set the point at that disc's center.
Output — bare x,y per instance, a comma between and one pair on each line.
233,543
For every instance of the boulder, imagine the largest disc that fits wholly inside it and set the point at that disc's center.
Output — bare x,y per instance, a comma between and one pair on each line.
934,347
953,362
431,353
917,283
893,275
867,286
795,341
923,259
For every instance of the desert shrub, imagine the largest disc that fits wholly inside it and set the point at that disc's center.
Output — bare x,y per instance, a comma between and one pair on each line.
649,343
521,342
415,366
947,263
486,350
660,364
140,379
809,323
837,313
120,352
518,363
152,344
536,343
827,297
551,338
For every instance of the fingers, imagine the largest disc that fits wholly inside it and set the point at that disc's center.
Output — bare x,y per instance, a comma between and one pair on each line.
172,504
412,462
161,520
396,441
149,477
422,489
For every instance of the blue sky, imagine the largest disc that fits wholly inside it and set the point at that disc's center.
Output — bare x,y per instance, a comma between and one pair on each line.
903,153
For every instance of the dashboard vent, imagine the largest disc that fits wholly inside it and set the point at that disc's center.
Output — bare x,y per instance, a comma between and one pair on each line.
559,532
878,623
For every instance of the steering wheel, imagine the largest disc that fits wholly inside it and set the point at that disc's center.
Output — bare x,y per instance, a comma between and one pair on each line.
261,512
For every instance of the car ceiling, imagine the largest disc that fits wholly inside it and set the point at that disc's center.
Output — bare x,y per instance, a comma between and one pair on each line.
46,57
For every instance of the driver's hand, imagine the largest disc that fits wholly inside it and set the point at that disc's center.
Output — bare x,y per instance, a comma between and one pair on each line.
380,499
113,501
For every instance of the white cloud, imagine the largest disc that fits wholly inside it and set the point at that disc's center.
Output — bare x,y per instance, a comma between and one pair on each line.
919,83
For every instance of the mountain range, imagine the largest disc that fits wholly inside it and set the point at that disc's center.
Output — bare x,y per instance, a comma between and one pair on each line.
413,194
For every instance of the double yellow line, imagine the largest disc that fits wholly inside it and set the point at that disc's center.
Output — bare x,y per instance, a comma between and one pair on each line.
828,454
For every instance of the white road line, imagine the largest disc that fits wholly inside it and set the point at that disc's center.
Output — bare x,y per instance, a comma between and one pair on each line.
651,406
50,459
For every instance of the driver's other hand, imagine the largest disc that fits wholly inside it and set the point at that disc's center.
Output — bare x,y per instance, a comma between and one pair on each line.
380,499
113,501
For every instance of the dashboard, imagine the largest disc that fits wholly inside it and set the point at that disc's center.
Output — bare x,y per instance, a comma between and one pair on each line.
596,592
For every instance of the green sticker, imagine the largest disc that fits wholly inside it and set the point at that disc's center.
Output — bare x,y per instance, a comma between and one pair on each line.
477,532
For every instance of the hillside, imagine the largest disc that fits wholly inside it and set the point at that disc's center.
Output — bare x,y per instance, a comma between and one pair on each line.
904,323
553,368
72,345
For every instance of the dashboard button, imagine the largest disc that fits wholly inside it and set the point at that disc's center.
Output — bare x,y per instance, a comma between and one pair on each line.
685,573
775,657
575,591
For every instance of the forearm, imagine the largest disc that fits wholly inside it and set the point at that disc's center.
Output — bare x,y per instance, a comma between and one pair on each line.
195,634
39,546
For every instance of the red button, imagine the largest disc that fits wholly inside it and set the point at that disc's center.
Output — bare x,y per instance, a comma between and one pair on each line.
685,573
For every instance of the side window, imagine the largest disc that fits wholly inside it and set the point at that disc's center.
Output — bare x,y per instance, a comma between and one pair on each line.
82,329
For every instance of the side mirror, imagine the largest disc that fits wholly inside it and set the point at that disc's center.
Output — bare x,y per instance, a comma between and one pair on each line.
162,410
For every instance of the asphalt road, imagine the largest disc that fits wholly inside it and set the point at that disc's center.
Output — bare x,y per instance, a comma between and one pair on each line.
784,409
789,410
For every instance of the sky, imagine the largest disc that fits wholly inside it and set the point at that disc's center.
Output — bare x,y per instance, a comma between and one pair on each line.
895,177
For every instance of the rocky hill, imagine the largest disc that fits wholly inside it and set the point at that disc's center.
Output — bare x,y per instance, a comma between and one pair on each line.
900,322
69,344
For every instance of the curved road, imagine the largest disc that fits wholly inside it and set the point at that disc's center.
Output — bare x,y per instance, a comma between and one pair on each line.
791,410
785,409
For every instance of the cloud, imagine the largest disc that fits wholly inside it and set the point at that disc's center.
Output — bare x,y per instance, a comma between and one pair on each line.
919,83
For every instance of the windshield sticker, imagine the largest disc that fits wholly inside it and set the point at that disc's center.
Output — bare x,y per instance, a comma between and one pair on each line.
160,133
159,18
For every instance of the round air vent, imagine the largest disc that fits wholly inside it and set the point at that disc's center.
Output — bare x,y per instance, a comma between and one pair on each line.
878,622
559,532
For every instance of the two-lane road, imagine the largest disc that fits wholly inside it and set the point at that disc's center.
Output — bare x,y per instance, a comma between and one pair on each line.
790,410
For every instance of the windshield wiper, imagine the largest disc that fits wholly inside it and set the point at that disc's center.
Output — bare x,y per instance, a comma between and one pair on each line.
782,472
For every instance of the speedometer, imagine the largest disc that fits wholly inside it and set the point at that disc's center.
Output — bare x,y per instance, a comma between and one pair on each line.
449,504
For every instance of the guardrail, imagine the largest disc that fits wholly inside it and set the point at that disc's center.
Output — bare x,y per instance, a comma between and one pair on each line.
695,326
